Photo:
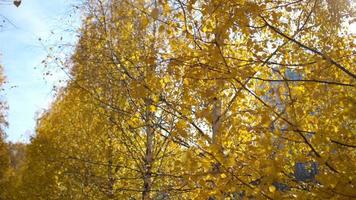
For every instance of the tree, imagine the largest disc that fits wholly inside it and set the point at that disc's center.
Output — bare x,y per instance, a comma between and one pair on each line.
4,151
203,100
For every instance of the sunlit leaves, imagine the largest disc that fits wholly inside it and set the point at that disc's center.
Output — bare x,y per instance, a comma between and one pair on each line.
207,99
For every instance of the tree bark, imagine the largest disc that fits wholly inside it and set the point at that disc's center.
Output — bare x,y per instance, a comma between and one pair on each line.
216,120
111,179
147,180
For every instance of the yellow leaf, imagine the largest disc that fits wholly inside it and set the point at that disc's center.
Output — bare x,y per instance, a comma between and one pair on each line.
161,29
152,108
155,13
223,175
272,188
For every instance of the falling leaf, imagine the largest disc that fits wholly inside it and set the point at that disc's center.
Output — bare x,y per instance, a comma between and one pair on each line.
17,3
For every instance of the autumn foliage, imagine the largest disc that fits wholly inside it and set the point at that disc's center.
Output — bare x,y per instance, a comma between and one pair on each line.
189,99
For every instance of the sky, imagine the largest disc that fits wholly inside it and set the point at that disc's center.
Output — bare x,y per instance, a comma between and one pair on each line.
27,91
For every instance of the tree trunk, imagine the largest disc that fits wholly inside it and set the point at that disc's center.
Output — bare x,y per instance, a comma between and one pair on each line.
216,120
111,179
147,180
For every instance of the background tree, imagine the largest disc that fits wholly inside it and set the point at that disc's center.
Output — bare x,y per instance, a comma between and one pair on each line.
194,99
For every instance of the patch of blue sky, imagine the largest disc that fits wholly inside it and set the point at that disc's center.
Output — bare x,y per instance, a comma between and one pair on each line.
28,92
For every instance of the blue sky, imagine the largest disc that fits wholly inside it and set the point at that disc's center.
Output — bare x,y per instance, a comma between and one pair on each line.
21,54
